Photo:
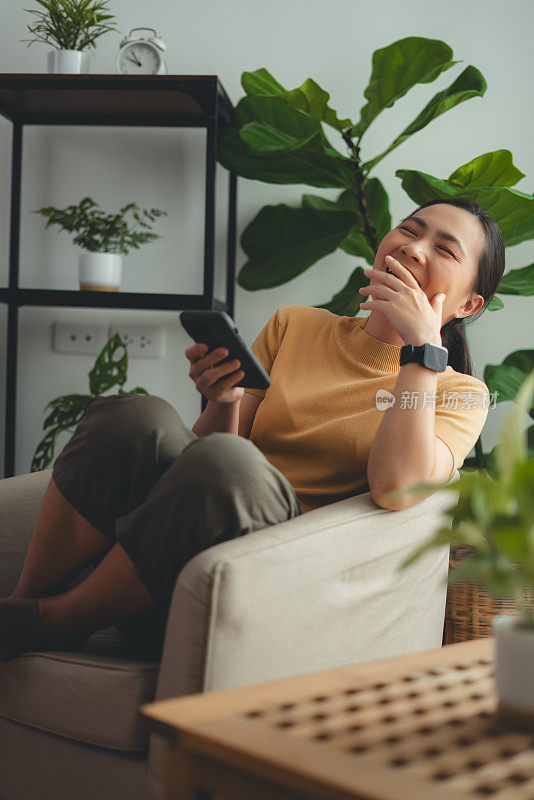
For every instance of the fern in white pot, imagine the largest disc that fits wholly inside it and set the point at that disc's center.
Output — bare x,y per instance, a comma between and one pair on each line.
104,238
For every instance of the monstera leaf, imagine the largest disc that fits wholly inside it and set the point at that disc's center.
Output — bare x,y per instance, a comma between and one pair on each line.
108,371
67,411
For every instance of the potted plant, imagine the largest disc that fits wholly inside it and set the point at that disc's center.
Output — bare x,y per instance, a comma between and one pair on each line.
104,238
494,515
110,370
71,26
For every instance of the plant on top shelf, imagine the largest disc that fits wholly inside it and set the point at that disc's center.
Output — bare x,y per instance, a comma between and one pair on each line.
104,237
70,24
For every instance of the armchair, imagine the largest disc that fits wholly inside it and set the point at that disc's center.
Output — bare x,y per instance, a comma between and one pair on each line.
316,592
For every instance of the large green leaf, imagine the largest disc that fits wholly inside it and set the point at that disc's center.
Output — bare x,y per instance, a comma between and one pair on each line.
282,242
398,67
356,242
518,281
108,370
272,125
507,378
512,445
309,97
491,169
470,83
312,99
271,139
284,145
512,210
261,82
495,304
346,302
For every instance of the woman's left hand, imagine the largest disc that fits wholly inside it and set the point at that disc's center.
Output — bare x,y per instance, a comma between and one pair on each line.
400,298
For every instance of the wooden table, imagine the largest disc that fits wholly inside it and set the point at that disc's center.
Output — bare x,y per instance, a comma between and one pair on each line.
417,727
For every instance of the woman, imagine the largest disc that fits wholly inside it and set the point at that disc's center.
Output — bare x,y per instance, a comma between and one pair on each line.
137,494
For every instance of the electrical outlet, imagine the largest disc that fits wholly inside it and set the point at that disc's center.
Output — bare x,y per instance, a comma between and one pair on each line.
69,337
142,341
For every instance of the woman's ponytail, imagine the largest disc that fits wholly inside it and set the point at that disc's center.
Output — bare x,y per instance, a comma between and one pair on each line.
453,338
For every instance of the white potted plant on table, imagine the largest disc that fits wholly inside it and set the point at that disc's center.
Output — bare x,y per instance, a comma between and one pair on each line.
494,515
104,238
71,27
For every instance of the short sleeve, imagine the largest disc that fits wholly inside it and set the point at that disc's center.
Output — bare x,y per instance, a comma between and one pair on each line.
462,404
265,347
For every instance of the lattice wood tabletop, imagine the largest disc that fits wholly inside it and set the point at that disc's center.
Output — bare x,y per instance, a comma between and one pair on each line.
421,727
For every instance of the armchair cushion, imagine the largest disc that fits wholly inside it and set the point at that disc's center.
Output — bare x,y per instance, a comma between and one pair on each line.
91,697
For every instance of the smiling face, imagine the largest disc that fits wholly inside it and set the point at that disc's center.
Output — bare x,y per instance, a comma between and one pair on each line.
440,246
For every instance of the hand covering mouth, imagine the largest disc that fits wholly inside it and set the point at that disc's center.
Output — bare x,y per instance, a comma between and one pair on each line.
413,276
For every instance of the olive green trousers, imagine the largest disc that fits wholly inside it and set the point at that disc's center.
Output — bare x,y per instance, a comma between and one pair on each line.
135,472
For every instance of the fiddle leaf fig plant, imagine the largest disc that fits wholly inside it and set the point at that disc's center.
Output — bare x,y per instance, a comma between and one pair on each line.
110,369
494,515
98,232
282,135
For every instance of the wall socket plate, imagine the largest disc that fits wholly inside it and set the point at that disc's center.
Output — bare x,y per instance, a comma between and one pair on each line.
71,337
142,341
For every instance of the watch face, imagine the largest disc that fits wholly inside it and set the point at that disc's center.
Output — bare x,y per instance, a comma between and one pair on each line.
435,357
139,59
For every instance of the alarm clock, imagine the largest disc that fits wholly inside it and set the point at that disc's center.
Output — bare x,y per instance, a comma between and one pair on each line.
142,55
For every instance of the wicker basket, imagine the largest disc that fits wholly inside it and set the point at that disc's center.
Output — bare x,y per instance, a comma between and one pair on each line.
470,610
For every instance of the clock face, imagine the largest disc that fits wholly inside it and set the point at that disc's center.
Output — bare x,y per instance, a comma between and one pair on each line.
139,59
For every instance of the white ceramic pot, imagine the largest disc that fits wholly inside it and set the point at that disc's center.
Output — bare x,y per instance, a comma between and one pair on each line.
72,62
100,272
514,670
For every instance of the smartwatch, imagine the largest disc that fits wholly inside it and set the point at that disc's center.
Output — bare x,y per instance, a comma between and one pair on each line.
432,356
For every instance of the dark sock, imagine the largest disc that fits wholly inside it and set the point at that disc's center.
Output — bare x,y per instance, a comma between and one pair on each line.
21,627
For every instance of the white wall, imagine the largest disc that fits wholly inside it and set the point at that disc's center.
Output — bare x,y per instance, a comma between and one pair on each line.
331,42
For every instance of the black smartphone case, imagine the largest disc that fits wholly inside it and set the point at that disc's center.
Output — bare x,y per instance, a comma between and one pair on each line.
217,329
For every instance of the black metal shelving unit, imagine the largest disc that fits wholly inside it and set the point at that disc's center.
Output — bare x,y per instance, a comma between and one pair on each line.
193,101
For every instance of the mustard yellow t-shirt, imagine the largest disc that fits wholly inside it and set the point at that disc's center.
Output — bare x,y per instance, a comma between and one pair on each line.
318,419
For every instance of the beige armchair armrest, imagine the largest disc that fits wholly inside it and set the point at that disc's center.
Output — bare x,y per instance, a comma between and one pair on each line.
319,591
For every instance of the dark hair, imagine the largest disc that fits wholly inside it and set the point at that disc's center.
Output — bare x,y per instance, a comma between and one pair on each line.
489,273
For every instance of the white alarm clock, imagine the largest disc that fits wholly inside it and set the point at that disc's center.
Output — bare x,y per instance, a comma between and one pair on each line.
140,55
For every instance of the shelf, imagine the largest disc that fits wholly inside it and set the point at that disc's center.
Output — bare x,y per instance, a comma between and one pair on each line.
152,100
137,300
155,101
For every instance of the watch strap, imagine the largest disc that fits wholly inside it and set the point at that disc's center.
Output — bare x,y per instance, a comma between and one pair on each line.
429,355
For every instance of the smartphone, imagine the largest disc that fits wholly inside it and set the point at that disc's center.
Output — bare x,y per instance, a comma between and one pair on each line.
217,329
